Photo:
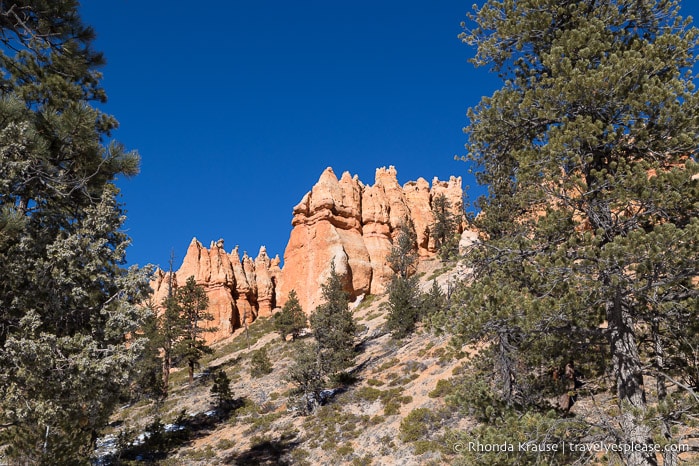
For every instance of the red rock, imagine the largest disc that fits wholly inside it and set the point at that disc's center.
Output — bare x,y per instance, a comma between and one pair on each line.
244,296
265,286
327,229
417,196
355,226
384,209
338,221
231,284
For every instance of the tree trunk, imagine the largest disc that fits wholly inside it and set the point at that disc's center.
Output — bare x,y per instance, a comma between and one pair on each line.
23,205
626,364
167,357
670,458
192,344
507,374
167,363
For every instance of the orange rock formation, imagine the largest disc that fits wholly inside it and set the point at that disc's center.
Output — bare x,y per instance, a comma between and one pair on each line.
339,221
354,226
238,290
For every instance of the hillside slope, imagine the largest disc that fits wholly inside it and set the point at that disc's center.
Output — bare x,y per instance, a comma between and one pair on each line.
368,421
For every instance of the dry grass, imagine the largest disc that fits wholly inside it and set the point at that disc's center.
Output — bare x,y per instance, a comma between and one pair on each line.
359,426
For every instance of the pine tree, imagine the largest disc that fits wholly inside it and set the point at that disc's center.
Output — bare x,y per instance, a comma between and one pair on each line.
333,326
307,374
260,364
67,303
291,320
588,151
170,326
221,390
404,305
403,256
445,227
434,301
333,350
192,304
404,309
148,379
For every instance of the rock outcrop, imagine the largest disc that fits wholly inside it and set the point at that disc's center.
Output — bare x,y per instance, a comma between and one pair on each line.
239,290
340,222
327,228
354,226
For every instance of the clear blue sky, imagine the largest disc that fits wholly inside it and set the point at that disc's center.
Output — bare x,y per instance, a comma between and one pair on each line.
236,107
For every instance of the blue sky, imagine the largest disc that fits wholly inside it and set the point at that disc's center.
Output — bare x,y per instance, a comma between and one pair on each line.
236,107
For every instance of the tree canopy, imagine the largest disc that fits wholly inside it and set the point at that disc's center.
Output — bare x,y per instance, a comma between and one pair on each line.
332,351
333,326
192,304
66,302
588,151
291,319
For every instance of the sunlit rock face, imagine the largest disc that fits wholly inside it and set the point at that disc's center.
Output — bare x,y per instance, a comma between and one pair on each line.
354,226
239,290
339,221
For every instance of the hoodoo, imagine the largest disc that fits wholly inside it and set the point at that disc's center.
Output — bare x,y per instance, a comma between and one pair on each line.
353,225
238,290
338,221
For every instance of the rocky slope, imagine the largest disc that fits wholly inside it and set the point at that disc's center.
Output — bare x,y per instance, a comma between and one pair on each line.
372,420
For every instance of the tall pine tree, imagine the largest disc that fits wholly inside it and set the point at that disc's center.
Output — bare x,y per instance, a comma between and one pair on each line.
332,352
333,326
66,303
588,151
404,296
191,305
445,227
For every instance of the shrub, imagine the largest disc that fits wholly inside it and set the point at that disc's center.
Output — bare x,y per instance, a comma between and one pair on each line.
417,425
444,387
291,320
260,364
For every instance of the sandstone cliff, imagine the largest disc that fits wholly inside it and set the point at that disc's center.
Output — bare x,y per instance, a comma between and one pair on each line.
353,225
338,221
239,290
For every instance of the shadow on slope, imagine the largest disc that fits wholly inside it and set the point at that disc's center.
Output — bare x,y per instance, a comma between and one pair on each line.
266,452
158,440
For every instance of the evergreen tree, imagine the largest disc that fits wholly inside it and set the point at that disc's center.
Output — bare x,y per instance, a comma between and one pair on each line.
588,151
445,227
434,301
192,304
167,330
291,320
404,309
333,350
407,305
333,326
403,256
148,379
260,364
170,326
307,374
404,305
67,303
221,390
